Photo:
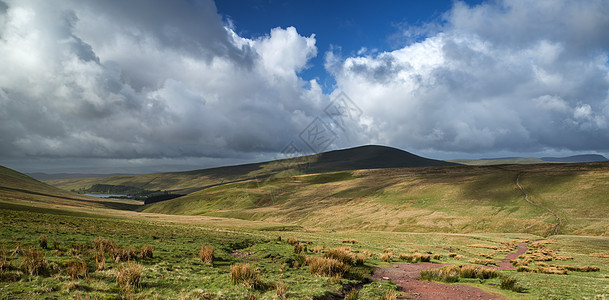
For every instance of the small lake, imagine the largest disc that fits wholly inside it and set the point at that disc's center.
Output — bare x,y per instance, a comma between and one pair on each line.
105,195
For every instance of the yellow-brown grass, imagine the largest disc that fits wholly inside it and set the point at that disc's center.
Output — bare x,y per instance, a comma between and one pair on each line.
525,269
446,274
452,254
77,269
552,270
4,262
483,246
246,275
350,241
34,262
206,254
318,249
128,277
146,251
437,256
484,262
124,254
601,255
389,295
469,271
292,241
100,259
341,255
281,290
329,267
386,256
298,248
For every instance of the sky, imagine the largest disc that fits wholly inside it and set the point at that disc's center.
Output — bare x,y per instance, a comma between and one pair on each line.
144,86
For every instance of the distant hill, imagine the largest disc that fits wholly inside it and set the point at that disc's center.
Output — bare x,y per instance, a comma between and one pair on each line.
576,158
53,176
364,157
530,160
16,187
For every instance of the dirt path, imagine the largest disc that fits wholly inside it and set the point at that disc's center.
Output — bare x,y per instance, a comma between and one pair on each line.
506,263
526,197
406,276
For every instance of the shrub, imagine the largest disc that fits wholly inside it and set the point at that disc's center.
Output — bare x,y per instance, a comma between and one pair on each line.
34,261
206,254
77,269
281,290
128,277
246,275
43,241
341,255
146,251
324,266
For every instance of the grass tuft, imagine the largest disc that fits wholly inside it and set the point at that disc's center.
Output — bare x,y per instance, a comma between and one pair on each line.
510,283
77,269
34,262
329,267
43,241
246,275
128,277
352,295
206,254
281,290
146,251
341,255
445,274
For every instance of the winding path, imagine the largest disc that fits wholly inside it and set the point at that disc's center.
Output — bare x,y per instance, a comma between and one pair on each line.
526,197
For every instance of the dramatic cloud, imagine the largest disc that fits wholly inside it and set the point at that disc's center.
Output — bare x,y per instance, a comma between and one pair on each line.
143,81
520,76
146,79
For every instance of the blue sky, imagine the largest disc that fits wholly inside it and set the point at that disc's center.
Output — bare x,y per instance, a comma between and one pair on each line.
153,85
346,27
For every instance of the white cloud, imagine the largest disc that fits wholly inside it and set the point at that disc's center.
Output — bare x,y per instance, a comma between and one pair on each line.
102,79
501,76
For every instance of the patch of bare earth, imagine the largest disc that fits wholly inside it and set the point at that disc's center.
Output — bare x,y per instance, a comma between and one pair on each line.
406,276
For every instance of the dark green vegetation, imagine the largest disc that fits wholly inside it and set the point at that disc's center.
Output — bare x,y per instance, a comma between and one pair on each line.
300,235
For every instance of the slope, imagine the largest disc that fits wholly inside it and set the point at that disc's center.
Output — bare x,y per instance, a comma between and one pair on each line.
433,199
17,187
364,157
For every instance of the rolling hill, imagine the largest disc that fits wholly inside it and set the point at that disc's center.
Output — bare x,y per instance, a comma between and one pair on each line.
364,157
16,187
432,199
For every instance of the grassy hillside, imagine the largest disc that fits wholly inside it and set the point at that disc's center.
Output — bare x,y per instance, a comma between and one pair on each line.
434,199
500,161
365,157
50,239
18,187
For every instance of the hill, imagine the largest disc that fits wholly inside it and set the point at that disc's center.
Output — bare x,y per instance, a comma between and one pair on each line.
453,199
530,160
364,157
16,187
576,158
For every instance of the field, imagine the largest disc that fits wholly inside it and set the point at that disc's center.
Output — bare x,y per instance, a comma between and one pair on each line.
311,236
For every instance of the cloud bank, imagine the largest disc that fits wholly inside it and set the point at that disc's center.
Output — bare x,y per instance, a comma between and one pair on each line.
169,79
521,76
